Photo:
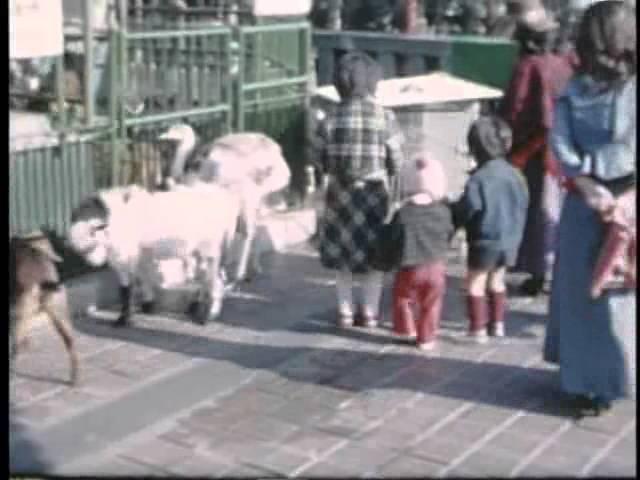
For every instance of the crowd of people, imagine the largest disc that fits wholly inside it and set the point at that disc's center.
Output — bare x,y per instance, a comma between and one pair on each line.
554,183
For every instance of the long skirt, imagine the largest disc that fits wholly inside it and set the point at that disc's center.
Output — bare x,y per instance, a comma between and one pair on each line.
350,225
536,254
593,341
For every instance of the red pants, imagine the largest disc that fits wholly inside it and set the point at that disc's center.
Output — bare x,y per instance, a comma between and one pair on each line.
423,287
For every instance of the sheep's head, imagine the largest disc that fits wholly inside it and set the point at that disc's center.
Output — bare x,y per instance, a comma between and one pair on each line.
180,133
87,235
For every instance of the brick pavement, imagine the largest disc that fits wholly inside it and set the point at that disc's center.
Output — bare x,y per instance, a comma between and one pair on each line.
275,390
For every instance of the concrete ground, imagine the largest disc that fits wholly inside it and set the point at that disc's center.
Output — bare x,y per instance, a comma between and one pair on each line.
274,389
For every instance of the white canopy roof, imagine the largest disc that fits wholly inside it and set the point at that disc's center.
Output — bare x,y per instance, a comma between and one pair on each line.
437,87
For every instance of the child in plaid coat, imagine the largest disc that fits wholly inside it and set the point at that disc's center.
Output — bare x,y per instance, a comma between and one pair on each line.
363,150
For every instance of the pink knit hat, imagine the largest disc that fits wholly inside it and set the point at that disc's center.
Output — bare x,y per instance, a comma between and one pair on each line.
423,179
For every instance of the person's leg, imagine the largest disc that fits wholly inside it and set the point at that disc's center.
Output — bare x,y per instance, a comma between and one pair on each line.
371,293
431,291
477,304
403,321
497,301
344,291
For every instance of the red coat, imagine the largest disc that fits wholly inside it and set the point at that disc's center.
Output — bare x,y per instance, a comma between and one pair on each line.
529,101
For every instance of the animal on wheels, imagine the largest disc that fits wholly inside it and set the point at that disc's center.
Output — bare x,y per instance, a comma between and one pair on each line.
37,293
130,229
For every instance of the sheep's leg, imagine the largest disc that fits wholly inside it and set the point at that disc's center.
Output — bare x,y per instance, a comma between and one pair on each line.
249,216
126,299
56,304
211,291
145,277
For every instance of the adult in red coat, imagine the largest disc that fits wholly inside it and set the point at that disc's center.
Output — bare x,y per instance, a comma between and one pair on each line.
540,75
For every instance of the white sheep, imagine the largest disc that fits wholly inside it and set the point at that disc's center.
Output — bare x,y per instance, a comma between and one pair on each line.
130,230
250,165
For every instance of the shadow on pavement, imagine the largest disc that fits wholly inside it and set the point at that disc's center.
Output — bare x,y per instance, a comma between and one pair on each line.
243,312
26,457
510,386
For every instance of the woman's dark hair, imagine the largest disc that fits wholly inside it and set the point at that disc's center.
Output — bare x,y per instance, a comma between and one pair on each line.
606,41
489,137
532,41
356,75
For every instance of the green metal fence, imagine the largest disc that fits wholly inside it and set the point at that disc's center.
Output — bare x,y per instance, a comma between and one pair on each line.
273,88
155,79
485,60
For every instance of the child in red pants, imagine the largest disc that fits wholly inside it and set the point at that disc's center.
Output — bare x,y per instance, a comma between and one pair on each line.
426,224
493,211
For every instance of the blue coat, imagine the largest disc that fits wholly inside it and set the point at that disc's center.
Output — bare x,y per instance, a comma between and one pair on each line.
493,208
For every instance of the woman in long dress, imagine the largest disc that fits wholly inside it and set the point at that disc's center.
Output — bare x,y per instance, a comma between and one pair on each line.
594,138
539,77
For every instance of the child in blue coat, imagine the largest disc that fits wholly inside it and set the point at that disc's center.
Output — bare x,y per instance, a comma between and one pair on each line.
493,211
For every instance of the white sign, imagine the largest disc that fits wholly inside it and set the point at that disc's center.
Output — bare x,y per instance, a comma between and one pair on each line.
278,8
35,28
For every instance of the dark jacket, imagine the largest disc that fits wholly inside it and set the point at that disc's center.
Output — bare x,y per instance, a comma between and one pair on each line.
493,208
426,232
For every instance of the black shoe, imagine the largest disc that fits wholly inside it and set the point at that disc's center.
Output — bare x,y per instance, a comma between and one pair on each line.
601,406
532,287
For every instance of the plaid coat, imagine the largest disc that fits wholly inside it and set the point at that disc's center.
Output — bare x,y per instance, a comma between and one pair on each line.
363,148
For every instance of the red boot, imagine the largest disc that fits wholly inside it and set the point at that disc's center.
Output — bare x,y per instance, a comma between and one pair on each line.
497,302
477,309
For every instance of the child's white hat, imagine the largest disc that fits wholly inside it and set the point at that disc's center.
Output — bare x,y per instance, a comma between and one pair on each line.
423,179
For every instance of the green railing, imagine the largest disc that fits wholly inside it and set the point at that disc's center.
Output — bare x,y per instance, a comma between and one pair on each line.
154,79
272,87
485,60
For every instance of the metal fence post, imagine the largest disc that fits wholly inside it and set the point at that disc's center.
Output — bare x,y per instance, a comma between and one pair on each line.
88,99
238,82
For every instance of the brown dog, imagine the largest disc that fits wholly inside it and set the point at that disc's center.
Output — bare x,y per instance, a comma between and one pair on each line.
37,291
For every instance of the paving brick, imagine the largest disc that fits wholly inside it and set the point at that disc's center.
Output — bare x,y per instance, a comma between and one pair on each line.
120,466
186,436
415,417
358,458
611,468
406,466
324,469
537,425
488,414
390,436
344,423
324,395
609,423
264,428
490,462
281,461
199,465
156,452
440,449
251,400
516,442
302,413
581,438
567,461
311,442
234,446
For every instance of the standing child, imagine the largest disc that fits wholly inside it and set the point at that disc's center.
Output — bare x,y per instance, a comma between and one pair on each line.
426,224
493,211
363,149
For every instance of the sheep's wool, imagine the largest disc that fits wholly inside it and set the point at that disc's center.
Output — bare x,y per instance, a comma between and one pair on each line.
169,224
